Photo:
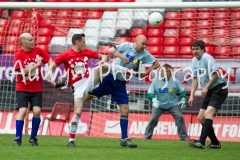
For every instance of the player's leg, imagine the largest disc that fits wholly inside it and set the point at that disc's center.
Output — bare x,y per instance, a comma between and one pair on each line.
22,100
120,96
179,121
156,113
36,105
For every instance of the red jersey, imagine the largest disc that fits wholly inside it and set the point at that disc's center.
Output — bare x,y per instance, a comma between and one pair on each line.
23,59
75,63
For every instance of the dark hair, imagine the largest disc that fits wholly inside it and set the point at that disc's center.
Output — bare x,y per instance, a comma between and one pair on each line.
167,65
77,37
199,43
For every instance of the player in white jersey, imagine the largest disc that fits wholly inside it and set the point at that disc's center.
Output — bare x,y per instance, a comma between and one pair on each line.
213,88
163,94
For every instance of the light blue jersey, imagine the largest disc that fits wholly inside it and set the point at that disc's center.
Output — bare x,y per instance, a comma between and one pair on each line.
204,68
128,50
167,96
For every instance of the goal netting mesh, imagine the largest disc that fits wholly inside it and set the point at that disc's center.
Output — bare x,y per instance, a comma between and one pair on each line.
53,28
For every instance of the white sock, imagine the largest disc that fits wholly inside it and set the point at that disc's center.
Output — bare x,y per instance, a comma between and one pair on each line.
74,125
71,139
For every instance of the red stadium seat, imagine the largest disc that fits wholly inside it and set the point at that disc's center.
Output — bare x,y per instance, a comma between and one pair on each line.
14,31
204,15
12,40
193,10
170,51
188,24
185,51
4,22
81,0
171,23
137,31
18,14
220,24
171,33
62,23
235,15
47,24
221,15
67,0
220,10
187,32
3,31
57,33
63,14
221,41
222,52
45,32
154,32
234,33
155,50
16,22
111,0
10,48
96,0
154,41
43,47
204,33
77,23
209,49
133,39
79,14
235,52
188,16
186,41
207,40
127,0
204,24
172,15
2,39
235,41
220,32
234,9
120,40
94,14
234,24
43,40
104,49
204,10
170,41
49,13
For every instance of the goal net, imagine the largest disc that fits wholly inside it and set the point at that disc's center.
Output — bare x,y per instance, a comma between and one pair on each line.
104,27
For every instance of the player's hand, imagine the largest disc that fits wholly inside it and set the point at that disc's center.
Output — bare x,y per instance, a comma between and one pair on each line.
126,60
204,91
39,61
155,103
182,103
142,75
190,101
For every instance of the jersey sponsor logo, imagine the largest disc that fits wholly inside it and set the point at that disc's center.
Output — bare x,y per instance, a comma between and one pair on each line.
131,58
165,90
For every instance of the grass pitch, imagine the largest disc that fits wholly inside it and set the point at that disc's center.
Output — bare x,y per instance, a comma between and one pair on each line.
55,148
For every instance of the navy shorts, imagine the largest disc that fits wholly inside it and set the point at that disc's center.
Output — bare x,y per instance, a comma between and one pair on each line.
34,98
215,97
115,88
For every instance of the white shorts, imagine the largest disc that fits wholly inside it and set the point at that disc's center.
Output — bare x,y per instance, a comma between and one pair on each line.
83,86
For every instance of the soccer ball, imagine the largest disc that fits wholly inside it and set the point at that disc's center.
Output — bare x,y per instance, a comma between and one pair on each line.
155,19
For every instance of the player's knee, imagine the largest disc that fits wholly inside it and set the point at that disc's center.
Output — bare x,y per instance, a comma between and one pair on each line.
201,119
22,112
36,112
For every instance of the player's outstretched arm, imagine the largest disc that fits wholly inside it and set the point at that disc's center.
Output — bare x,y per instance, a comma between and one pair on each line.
51,67
193,90
115,53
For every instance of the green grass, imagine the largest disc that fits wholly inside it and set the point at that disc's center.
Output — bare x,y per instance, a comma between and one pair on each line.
55,148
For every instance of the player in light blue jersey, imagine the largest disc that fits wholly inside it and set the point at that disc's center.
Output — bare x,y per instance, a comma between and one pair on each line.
213,88
115,84
163,94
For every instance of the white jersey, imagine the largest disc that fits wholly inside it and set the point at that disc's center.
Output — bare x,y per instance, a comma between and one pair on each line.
204,68
167,96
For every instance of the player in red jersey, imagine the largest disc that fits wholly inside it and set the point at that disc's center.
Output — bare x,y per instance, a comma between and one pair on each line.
27,63
80,76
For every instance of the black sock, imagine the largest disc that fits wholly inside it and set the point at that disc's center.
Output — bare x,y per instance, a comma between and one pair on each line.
212,136
207,126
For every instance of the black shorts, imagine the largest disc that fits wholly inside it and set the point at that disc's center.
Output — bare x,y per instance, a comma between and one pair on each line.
215,97
34,98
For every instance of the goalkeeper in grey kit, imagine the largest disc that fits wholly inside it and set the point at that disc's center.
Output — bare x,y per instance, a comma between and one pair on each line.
163,94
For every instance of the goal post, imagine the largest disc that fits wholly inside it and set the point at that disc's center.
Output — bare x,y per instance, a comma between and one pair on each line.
106,24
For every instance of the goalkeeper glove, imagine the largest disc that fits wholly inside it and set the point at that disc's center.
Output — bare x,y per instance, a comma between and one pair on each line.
182,103
155,103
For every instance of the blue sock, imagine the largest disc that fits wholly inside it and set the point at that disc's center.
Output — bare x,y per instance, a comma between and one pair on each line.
35,126
19,128
124,126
